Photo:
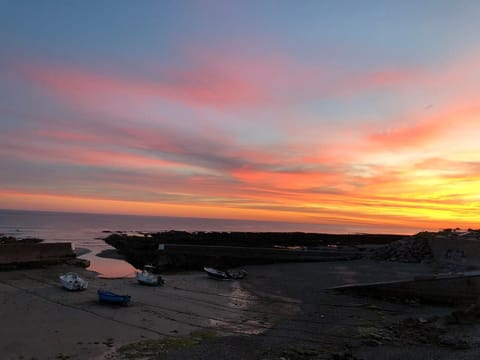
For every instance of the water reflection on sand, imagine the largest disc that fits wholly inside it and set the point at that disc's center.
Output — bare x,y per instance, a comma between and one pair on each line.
256,315
109,268
241,299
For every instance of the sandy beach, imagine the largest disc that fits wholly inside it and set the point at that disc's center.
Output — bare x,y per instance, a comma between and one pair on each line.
278,311
42,320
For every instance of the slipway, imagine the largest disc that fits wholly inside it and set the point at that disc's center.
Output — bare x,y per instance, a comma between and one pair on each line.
451,288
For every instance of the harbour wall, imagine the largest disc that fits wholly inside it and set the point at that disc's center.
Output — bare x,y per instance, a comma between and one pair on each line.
35,254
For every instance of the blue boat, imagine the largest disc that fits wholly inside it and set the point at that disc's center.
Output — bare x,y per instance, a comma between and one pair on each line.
107,296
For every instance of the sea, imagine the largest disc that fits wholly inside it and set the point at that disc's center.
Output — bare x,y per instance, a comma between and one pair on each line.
86,231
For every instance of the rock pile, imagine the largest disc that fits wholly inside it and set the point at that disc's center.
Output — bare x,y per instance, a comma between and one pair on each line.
413,249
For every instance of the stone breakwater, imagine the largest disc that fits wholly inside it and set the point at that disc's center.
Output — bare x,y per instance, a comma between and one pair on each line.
32,252
180,249
409,250
21,255
444,247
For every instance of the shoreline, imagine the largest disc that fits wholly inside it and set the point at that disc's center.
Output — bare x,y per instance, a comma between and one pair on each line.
279,310
289,304
42,320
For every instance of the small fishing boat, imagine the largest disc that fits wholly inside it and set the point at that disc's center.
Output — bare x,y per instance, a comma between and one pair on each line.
73,282
110,297
216,274
225,275
147,277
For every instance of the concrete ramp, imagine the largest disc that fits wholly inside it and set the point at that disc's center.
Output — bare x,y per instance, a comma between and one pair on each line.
461,288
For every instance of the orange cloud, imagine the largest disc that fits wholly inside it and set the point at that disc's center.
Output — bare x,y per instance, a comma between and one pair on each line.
286,180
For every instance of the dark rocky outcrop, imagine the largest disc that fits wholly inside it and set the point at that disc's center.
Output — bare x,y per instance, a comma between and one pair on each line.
269,239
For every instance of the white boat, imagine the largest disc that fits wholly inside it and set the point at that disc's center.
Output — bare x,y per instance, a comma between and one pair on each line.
147,277
72,281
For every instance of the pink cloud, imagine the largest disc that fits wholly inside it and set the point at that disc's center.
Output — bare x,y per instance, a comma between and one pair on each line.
417,130
205,86
70,136
218,81
78,154
405,135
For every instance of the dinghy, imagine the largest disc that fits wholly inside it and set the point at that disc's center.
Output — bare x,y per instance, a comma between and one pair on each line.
225,275
112,298
216,274
147,277
73,282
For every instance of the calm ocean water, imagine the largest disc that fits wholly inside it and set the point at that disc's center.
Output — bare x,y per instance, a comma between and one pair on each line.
85,230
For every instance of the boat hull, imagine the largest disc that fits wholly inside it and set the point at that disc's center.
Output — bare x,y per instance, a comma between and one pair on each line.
112,298
225,275
73,282
216,274
145,278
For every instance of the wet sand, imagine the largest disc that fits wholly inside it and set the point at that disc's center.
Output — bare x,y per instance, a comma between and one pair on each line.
332,325
278,311
41,320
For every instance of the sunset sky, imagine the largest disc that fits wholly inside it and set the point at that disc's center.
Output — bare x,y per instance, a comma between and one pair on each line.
329,112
